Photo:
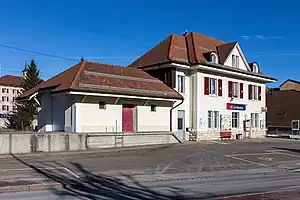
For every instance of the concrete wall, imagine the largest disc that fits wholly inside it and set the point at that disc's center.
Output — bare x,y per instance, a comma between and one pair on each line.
58,142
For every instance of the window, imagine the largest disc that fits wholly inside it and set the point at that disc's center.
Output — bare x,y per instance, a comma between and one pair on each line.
213,86
102,105
181,84
213,119
3,98
4,107
213,58
179,123
254,120
153,108
235,61
3,90
7,98
235,89
14,98
254,68
254,92
235,120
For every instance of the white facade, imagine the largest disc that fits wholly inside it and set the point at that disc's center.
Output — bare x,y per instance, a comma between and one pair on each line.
82,113
197,104
7,98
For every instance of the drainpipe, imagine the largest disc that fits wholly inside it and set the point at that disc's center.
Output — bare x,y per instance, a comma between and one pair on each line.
171,113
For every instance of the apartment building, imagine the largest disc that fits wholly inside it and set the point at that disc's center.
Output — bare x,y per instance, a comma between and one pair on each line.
224,94
10,88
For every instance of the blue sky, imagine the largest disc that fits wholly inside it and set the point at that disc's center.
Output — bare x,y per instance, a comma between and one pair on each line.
117,32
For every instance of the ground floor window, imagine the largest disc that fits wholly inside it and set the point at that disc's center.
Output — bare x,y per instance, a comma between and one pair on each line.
213,119
254,120
235,119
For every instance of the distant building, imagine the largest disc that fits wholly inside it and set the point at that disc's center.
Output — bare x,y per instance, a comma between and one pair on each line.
283,105
10,88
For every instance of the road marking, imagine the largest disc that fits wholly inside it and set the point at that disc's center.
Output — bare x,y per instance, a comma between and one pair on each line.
217,142
44,168
250,154
248,161
266,158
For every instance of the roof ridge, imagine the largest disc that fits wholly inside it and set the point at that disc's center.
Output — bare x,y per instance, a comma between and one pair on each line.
196,33
77,74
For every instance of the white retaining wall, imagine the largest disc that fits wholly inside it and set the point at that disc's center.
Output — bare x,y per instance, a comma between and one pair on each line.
56,142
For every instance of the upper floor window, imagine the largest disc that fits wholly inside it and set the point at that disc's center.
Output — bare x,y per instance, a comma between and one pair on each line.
254,68
5,107
235,61
254,92
235,89
4,90
213,58
213,86
181,85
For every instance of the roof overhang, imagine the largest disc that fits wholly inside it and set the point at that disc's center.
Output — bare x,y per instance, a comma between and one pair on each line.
119,96
212,67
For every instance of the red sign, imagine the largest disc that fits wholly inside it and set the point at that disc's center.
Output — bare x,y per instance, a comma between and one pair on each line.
263,109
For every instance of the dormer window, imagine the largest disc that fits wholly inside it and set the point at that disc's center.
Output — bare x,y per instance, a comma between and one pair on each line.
213,58
255,68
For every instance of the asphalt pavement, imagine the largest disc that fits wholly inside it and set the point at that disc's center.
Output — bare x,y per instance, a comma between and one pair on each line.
200,170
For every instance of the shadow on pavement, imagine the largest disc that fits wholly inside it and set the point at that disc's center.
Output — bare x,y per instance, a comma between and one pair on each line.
92,186
288,149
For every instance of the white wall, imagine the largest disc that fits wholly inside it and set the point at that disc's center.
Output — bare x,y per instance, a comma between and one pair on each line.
153,121
216,103
184,106
89,118
45,122
235,51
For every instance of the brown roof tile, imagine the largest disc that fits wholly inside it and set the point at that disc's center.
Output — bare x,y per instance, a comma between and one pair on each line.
224,50
283,107
9,80
103,78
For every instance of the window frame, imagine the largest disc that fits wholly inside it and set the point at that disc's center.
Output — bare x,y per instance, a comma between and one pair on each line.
237,118
213,58
210,87
237,61
233,60
213,119
255,120
237,89
254,92
181,83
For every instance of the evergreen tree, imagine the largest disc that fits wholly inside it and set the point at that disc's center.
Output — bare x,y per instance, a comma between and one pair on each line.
23,116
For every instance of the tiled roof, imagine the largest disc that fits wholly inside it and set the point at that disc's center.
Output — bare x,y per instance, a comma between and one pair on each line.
188,49
9,80
103,78
283,107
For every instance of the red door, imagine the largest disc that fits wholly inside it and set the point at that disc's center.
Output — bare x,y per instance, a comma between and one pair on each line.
127,118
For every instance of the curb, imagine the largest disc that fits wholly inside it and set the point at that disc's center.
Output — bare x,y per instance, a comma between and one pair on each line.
33,187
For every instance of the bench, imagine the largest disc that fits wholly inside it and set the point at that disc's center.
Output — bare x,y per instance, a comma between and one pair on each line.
225,135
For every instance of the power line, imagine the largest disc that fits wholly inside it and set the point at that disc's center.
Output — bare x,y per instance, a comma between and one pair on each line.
36,52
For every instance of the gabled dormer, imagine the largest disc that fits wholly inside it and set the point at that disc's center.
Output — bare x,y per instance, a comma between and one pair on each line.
232,55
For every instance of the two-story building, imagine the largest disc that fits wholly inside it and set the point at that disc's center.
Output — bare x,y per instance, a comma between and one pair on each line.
224,94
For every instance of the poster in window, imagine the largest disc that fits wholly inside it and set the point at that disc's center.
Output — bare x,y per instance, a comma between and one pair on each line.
225,122
295,125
